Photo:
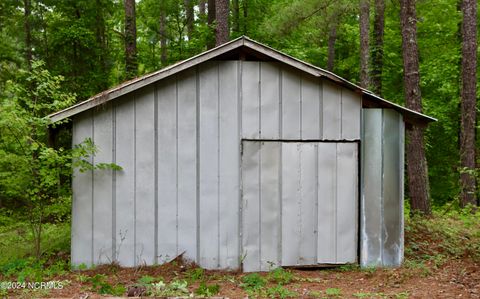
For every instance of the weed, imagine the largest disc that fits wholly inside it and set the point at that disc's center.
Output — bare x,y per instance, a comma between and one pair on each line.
101,286
333,292
280,291
253,281
281,276
82,278
402,295
146,280
205,290
315,294
195,274
418,265
176,288
369,270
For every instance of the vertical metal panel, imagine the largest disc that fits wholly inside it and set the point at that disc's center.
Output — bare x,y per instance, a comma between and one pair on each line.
251,206
125,181
144,176
209,180
401,183
308,204
187,174
250,99
291,104
270,100
327,193
291,203
392,202
371,199
82,198
311,113
351,107
347,187
167,171
229,151
332,111
102,190
269,205
382,200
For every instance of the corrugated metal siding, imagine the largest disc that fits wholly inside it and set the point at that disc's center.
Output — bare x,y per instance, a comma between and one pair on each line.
299,203
382,185
179,144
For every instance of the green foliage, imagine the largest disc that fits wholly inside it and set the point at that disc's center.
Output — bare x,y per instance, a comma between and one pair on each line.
448,234
280,291
195,274
280,276
253,282
333,292
174,288
101,286
145,280
205,290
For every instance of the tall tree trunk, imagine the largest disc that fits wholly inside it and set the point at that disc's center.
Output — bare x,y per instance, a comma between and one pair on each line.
130,40
377,49
332,39
163,37
468,102
211,22
28,33
222,32
364,42
101,41
201,7
190,17
245,16
416,160
236,16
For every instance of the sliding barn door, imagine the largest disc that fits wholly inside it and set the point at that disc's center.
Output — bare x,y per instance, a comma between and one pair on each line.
299,204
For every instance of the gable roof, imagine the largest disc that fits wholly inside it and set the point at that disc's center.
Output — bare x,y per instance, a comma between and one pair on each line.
256,49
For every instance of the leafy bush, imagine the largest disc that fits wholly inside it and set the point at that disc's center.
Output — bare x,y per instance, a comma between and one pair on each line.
101,286
205,290
281,276
253,282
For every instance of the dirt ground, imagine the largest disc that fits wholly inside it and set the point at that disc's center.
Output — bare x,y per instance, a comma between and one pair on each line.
453,279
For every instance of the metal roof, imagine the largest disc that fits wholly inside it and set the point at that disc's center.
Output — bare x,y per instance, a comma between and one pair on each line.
243,42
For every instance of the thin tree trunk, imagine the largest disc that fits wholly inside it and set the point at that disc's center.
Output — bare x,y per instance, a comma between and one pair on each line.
190,17
101,41
245,16
377,49
332,39
201,8
236,16
163,37
211,22
468,102
222,32
416,160
130,40
364,42
28,33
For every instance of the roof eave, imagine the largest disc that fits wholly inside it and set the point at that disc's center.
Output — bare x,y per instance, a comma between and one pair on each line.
129,86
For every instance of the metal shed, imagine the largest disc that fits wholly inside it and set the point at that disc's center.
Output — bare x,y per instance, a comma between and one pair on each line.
240,158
